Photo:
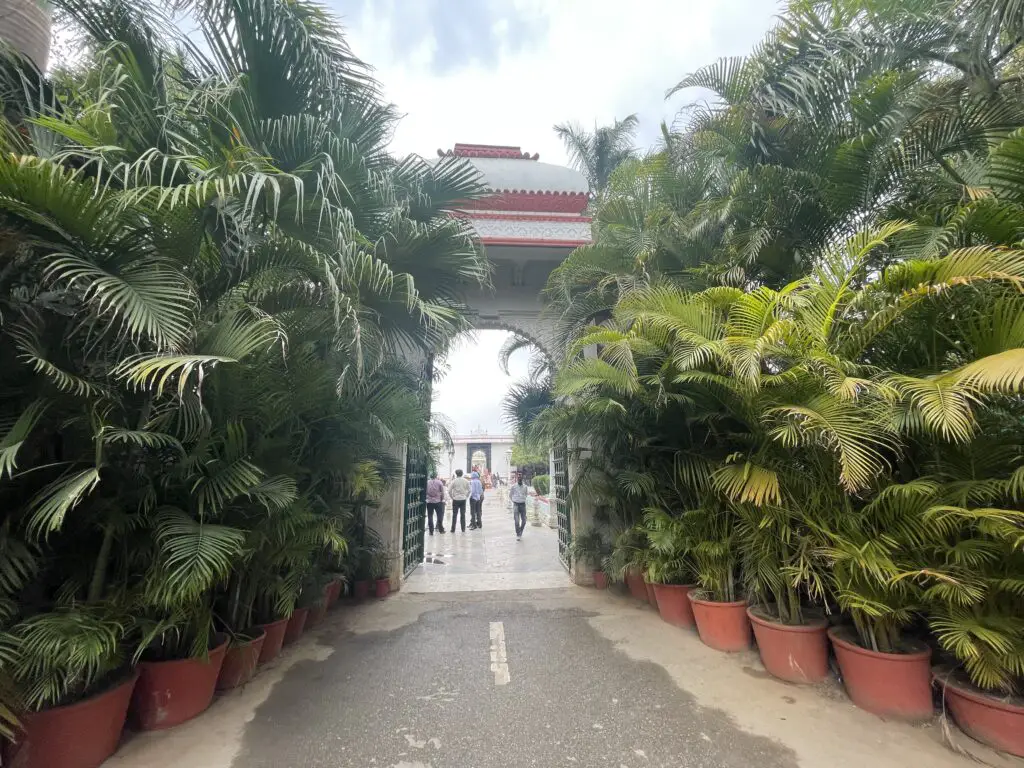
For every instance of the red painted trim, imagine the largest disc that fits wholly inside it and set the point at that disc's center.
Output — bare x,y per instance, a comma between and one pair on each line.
488,151
534,242
532,201
523,217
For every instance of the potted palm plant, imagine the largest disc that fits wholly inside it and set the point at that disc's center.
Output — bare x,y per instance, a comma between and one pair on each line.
976,610
380,570
299,616
588,547
180,660
884,671
670,567
629,559
71,664
718,610
784,575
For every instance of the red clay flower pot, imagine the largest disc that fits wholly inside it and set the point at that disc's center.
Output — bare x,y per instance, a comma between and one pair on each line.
674,604
334,592
652,598
296,625
722,626
992,721
600,579
273,639
896,685
170,692
636,585
797,653
316,614
382,588
240,661
79,735
361,589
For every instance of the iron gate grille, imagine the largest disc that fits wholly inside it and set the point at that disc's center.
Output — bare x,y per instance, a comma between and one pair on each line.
415,509
561,483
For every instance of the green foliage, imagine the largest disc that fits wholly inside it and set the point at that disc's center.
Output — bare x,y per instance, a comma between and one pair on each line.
541,484
219,293
589,546
525,454
794,348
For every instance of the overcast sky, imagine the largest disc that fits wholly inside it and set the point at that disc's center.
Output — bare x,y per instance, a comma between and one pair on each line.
505,71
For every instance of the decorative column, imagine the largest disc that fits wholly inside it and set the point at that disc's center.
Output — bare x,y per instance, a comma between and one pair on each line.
387,519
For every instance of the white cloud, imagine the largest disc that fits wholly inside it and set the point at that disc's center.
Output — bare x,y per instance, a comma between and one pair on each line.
587,61
505,71
471,393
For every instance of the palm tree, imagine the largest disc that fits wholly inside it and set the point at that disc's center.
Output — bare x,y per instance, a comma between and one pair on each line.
214,282
596,155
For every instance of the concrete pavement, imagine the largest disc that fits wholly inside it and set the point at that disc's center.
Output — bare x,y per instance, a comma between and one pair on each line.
547,676
490,558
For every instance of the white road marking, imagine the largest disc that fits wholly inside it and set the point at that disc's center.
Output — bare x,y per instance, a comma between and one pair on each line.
499,658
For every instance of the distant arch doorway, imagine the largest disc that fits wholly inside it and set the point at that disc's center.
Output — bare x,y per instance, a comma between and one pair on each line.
533,218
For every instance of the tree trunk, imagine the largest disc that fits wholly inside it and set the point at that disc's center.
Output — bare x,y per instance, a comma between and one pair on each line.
25,25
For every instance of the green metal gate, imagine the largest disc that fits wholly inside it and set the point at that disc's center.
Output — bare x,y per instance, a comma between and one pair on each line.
415,509
562,508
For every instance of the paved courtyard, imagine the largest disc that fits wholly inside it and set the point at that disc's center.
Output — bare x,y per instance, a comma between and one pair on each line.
490,558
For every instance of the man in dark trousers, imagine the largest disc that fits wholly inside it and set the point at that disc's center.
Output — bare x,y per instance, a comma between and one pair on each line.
476,502
435,503
517,495
459,493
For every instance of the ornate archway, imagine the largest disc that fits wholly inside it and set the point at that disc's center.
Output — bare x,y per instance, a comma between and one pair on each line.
535,216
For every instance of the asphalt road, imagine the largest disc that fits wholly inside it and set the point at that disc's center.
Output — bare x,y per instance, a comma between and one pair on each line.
426,695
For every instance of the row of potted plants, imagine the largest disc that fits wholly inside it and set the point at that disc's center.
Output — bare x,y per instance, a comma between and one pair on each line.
892,679
156,694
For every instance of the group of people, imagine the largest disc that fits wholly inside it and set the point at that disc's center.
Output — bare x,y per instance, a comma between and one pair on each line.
463,489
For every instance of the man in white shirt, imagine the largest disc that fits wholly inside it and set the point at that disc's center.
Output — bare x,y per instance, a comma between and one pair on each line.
459,493
517,494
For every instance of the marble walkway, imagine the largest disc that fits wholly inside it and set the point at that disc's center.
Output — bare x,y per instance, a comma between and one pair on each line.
491,558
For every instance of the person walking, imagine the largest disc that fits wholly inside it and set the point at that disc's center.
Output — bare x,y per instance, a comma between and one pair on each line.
476,502
459,493
435,503
517,495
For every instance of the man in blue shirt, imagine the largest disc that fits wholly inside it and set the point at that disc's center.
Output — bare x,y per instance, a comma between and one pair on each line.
476,502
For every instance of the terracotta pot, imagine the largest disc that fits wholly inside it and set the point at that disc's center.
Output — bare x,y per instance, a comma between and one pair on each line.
635,582
896,685
170,692
722,626
674,603
600,579
273,639
316,614
334,592
992,721
296,625
797,653
382,588
240,662
361,589
79,735
652,598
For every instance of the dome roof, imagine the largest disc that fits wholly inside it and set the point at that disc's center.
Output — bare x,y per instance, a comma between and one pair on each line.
509,169
531,203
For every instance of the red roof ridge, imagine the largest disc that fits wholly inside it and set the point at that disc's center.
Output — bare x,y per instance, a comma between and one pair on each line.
497,151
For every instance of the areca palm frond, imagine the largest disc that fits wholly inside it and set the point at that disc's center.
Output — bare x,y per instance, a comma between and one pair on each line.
596,155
